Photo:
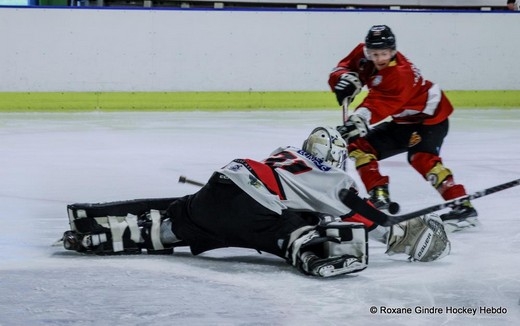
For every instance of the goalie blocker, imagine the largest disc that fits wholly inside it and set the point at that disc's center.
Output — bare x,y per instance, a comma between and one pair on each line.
329,249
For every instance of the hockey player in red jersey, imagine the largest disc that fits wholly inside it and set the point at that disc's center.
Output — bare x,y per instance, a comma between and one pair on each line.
287,204
419,112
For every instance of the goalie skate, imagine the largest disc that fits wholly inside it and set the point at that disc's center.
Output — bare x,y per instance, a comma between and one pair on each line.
71,241
95,243
332,266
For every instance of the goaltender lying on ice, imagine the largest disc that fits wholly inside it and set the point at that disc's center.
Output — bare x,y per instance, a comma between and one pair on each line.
288,204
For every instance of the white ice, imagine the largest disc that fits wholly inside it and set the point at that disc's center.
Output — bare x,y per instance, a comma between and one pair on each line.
50,160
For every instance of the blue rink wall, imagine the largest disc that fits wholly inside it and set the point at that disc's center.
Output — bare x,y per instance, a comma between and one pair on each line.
134,50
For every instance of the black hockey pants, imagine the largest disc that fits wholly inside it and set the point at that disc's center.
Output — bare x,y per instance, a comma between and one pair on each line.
221,215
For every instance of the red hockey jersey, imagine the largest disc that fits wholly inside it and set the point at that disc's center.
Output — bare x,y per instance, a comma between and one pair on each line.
399,90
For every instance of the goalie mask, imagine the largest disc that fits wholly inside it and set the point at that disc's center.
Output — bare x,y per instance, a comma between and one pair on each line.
327,144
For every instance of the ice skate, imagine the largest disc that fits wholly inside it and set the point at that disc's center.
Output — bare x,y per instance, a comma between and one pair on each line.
461,217
380,198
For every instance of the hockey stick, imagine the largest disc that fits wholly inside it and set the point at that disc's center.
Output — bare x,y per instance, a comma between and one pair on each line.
344,107
359,205
394,207
183,179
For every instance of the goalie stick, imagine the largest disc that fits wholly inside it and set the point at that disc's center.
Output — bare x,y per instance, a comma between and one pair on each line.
359,205
183,179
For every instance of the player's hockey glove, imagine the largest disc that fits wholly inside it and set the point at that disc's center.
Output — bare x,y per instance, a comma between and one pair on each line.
355,126
348,87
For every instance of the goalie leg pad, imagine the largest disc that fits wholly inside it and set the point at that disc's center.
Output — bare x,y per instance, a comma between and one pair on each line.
328,250
116,234
379,233
422,238
166,233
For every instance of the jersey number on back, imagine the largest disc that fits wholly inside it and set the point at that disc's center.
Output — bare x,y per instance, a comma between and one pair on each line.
289,162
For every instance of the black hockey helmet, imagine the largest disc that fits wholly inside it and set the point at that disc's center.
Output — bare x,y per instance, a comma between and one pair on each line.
380,37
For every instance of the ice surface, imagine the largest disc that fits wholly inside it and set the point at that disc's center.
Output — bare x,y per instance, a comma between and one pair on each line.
50,160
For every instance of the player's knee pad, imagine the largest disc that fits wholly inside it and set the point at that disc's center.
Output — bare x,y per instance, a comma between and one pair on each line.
442,179
107,235
422,239
438,175
328,250
361,158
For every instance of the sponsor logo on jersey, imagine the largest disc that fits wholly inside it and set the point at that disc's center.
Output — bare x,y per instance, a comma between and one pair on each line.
318,162
255,182
377,80
234,167
415,139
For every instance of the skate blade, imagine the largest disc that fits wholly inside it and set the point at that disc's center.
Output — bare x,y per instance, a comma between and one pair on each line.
451,226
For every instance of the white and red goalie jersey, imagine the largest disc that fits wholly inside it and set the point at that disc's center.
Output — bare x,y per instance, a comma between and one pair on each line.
291,178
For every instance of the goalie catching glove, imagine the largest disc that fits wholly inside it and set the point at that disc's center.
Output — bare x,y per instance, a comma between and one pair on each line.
422,239
328,250
347,87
